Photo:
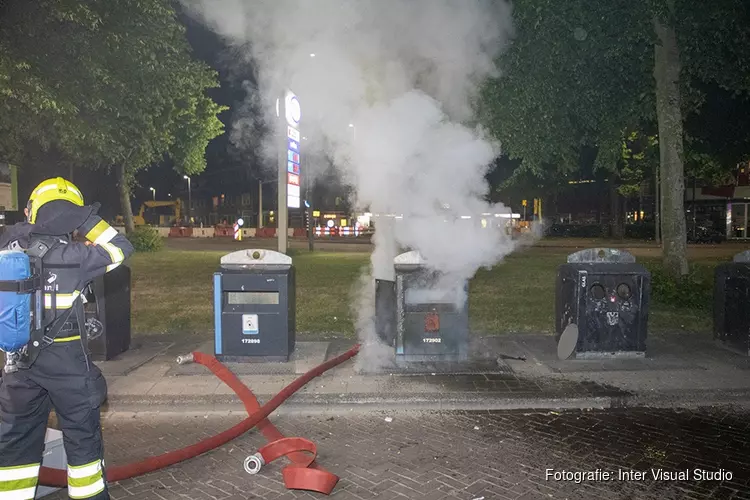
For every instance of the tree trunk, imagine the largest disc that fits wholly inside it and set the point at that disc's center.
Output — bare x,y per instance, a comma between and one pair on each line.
127,210
616,227
672,213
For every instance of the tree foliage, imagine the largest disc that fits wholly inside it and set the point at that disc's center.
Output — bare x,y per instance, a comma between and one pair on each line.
109,84
639,157
566,85
590,74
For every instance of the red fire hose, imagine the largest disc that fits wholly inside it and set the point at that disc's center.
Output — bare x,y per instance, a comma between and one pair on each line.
302,474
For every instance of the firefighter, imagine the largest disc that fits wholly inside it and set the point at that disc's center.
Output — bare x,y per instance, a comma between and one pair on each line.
61,374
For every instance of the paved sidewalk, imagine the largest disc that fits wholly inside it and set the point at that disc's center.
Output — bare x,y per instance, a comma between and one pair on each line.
451,455
679,370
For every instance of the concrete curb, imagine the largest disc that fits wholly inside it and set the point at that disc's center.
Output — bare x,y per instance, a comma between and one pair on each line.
367,403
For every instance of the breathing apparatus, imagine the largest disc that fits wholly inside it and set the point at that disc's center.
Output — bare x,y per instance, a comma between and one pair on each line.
22,283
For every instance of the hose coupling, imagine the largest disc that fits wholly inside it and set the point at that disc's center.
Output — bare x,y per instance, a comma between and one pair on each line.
185,359
253,463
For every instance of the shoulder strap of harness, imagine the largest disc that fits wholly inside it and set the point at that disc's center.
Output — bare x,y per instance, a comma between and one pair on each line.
41,245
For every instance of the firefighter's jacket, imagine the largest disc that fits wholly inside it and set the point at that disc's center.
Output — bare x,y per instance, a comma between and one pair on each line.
71,265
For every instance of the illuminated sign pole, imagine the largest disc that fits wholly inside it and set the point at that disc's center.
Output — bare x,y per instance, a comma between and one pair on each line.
289,165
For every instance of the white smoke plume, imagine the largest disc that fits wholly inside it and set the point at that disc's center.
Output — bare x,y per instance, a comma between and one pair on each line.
386,88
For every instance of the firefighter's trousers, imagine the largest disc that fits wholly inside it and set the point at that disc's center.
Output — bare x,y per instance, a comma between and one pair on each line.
64,378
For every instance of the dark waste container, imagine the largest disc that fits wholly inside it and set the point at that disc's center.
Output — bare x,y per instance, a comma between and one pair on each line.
254,307
601,305
108,313
732,303
432,314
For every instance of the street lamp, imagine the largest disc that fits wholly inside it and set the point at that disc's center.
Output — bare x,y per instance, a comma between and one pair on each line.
190,199
153,192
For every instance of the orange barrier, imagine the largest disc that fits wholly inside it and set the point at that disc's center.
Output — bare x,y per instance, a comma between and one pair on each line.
223,232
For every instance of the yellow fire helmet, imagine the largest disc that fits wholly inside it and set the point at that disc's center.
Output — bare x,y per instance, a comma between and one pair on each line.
51,190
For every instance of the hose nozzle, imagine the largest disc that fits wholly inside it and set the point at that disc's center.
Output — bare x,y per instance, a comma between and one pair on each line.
253,463
185,359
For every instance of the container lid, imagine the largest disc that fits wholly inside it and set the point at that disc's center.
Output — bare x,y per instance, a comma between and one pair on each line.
257,258
602,255
742,257
413,258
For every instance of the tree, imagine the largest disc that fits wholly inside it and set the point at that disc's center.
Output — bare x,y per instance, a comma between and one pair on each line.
586,74
554,102
115,88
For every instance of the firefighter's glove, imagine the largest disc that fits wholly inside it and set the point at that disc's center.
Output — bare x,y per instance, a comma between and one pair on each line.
96,229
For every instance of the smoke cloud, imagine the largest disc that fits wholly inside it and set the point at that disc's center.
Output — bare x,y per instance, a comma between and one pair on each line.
386,88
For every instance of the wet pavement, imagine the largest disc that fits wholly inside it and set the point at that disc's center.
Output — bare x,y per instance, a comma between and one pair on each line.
455,455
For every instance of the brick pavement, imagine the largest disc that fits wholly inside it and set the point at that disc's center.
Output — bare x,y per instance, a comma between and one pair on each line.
452,455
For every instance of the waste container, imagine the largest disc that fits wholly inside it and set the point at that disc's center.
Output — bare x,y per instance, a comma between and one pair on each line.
731,303
601,305
108,312
432,314
254,307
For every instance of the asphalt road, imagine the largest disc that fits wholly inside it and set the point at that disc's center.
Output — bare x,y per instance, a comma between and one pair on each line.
454,455
227,245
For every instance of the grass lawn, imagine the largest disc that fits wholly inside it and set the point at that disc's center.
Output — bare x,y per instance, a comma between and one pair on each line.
172,293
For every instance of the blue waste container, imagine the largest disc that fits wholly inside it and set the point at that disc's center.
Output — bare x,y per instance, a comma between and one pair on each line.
254,307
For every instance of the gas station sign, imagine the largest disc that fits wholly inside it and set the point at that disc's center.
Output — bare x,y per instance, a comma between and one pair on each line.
293,113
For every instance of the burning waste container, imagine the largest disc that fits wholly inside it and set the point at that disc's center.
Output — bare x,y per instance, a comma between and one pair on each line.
601,305
254,306
431,312
731,299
